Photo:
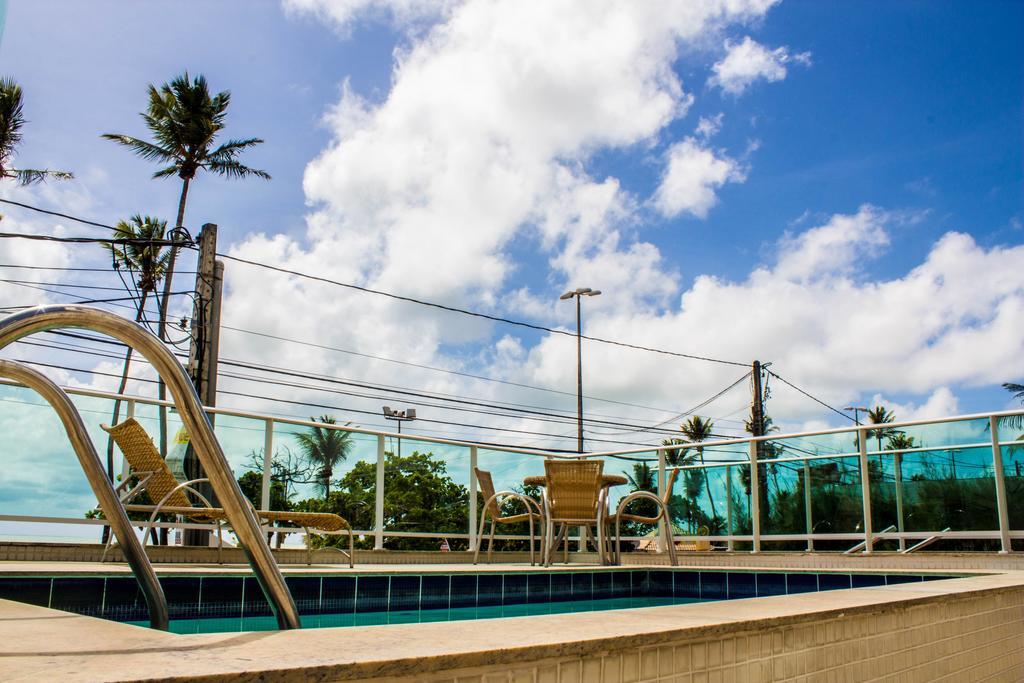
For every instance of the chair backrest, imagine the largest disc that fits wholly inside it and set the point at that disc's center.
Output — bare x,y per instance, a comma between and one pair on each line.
667,493
573,488
141,454
483,478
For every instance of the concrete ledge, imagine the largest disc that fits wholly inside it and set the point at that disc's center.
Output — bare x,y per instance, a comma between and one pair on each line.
962,629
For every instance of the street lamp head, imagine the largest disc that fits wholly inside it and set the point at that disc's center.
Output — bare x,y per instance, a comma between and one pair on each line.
583,290
567,295
861,408
388,411
594,292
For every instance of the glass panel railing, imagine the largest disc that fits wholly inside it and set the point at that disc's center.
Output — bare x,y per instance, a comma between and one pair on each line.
932,435
301,481
786,497
949,489
1013,473
836,501
426,490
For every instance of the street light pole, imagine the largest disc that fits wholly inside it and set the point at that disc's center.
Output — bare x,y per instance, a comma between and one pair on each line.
399,416
857,410
577,294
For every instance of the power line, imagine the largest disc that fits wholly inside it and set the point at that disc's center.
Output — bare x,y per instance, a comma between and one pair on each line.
475,314
56,213
96,240
528,414
442,370
813,398
75,270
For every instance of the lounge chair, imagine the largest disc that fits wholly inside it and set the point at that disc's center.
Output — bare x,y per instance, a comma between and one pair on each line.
573,496
492,507
156,478
661,518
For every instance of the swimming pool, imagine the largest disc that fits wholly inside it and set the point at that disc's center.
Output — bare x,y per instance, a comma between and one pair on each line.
206,604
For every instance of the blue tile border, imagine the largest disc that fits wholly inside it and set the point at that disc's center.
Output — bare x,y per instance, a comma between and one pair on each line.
228,597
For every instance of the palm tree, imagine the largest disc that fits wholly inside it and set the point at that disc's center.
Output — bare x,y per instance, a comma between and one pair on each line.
880,415
11,120
1014,421
147,263
696,430
324,448
185,120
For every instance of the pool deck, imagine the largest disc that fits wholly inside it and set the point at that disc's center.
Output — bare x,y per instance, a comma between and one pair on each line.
37,643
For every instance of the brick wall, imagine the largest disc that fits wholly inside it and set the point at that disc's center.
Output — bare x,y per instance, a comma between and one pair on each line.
955,638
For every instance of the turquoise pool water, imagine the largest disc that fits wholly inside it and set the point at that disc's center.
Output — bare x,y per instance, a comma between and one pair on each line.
227,625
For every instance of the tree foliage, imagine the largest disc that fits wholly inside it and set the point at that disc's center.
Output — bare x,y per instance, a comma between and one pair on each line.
12,119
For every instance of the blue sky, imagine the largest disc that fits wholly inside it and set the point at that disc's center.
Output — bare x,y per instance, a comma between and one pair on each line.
913,109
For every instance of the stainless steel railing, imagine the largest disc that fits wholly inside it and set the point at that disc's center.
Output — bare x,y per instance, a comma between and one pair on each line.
101,486
207,449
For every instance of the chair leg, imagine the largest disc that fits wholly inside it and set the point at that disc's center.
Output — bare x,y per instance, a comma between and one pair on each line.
565,554
480,536
351,549
531,541
490,543
673,560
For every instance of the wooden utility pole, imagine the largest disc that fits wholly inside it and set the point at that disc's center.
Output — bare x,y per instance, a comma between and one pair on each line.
757,429
204,350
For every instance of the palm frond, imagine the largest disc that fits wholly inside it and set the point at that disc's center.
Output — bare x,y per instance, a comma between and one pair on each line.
31,176
146,150
233,169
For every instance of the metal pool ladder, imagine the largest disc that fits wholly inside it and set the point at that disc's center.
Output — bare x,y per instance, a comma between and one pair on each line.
204,442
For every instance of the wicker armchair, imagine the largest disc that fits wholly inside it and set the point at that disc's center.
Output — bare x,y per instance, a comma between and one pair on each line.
661,518
492,507
156,478
573,495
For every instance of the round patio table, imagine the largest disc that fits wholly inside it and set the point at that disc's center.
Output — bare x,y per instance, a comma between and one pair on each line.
607,481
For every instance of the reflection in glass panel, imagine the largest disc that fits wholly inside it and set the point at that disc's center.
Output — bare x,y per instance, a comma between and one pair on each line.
786,496
836,501
958,433
949,489
1013,472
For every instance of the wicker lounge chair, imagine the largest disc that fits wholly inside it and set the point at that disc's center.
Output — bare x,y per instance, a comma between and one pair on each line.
662,518
573,496
156,478
492,507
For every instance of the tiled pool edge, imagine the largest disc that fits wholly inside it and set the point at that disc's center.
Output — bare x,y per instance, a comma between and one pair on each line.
225,597
967,629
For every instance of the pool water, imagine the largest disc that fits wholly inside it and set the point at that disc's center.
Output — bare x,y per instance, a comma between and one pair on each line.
221,625
226,603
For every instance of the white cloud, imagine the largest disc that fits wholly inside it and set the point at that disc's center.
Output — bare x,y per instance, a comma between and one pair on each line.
940,403
342,14
708,126
692,175
748,61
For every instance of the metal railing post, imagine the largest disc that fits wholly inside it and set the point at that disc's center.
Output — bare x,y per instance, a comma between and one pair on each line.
473,486
728,506
898,474
126,469
997,464
268,463
755,499
378,508
865,489
808,516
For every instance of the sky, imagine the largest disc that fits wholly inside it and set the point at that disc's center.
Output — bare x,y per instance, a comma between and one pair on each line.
834,188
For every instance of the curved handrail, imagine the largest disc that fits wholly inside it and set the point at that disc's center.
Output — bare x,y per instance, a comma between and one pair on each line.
101,486
241,517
